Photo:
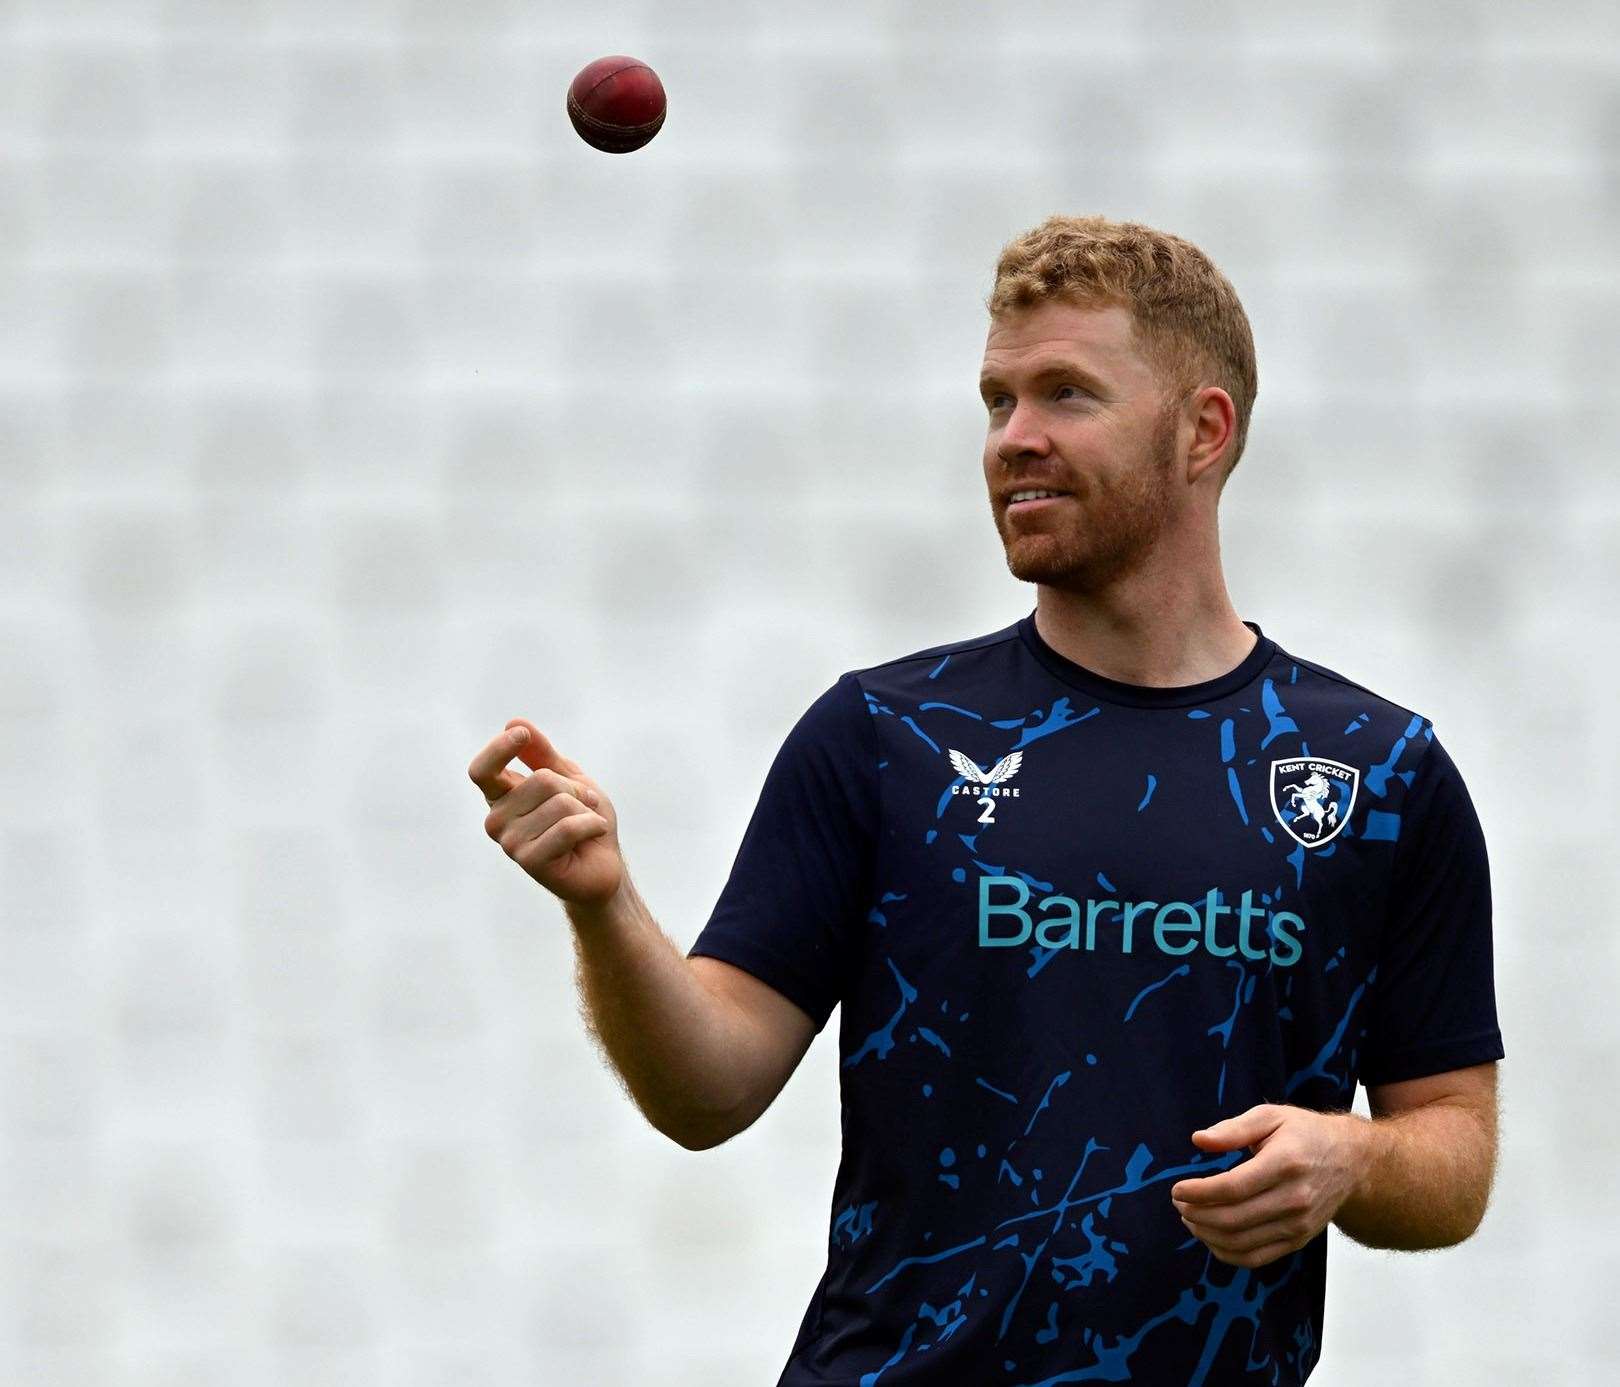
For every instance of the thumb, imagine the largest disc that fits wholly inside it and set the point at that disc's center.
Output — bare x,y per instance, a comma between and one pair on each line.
540,753
1246,1129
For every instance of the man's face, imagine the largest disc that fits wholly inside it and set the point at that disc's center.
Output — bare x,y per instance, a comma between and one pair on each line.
1073,407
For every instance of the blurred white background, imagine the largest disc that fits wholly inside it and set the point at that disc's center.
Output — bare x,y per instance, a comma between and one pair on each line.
350,406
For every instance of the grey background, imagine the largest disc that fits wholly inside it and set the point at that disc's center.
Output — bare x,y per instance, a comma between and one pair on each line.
350,405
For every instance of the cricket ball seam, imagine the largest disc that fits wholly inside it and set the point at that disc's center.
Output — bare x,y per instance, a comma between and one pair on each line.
608,76
605,127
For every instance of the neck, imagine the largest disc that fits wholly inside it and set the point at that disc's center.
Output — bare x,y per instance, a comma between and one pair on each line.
1169,623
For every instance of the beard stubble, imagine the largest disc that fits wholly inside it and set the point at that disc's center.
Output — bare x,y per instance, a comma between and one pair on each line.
1112,530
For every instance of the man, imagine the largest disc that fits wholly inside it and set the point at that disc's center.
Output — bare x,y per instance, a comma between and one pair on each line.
1121,902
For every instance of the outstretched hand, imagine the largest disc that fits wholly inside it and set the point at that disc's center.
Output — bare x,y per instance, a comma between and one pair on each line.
1305,1165
557,823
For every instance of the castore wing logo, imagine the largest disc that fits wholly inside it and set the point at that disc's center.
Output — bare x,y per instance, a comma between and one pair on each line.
990,780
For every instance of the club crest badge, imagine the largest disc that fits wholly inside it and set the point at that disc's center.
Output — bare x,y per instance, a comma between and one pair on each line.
1312,797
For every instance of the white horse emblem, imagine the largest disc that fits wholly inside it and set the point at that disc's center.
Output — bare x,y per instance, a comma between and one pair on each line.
1312,797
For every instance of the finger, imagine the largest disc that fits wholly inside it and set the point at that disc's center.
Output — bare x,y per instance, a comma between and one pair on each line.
535,805
1257,1256
1248,1232
533,748
538,788
487,769
1276,1203
530,822
540,751
1244,1181
561,838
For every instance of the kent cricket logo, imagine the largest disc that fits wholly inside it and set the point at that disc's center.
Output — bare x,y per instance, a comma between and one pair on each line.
990,780
1312,797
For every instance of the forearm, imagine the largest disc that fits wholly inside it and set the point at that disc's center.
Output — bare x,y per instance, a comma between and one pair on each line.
673,1043
1424,1178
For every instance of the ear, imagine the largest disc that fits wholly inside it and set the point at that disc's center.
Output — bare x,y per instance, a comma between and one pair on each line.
1214,431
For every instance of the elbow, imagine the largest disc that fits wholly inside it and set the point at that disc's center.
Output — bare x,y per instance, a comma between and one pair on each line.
1479,1199
1474,1217
703,1133
697,1143
692,1138
1454,1237
1460,1229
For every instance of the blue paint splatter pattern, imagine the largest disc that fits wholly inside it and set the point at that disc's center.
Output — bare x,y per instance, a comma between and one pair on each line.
1015,1115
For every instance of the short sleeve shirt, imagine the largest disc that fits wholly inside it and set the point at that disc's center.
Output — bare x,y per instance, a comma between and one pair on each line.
1069,921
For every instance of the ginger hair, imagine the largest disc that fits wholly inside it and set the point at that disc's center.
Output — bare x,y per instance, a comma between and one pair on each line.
1188,322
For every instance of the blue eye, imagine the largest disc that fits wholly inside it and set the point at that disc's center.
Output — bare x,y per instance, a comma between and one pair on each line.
990,403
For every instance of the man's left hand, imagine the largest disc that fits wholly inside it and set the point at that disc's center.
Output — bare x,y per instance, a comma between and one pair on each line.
1305,1165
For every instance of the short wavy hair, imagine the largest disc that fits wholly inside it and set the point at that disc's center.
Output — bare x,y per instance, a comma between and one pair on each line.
1189,323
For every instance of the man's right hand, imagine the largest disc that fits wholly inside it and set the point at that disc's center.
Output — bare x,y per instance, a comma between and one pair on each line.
556,824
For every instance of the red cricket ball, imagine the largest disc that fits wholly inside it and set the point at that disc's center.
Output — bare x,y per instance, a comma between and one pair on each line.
616,103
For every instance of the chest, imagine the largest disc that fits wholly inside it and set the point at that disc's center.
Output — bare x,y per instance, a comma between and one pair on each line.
1190,850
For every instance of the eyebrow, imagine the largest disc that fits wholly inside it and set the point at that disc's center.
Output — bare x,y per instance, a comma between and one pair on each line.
1045,372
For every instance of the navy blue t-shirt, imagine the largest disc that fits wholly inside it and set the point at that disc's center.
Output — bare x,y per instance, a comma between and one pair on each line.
1070,921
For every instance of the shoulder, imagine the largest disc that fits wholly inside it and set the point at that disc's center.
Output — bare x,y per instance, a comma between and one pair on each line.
934,655
842,707
1392,745
1298,678
844,711
984,661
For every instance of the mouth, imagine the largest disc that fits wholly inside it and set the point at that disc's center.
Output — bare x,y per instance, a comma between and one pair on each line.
1039,503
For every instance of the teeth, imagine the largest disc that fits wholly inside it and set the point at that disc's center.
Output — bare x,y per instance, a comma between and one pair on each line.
1032,495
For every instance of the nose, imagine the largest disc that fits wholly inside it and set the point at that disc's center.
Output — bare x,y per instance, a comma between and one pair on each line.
1022,436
